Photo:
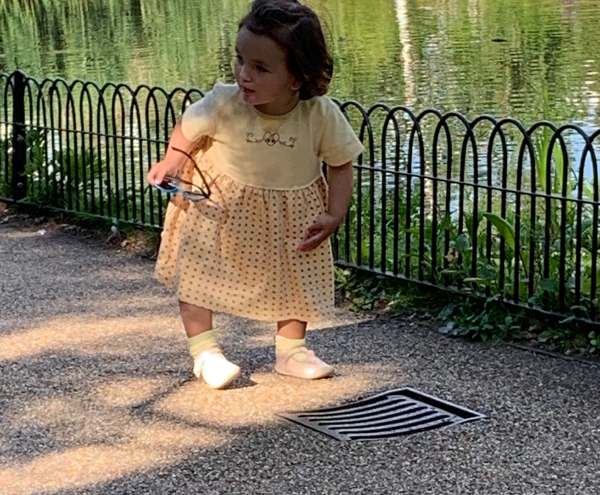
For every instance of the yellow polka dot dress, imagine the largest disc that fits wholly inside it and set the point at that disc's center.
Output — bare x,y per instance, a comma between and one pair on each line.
237,252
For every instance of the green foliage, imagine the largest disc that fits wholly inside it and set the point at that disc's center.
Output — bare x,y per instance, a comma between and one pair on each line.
77,180
4,169
463,316
564,339
54,173
367,292
362,290
554,162
505,229
444,251
490,323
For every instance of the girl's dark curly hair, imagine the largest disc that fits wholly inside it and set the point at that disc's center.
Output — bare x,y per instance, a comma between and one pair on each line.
297,29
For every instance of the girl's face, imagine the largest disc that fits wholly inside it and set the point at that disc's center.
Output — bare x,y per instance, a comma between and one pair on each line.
262,74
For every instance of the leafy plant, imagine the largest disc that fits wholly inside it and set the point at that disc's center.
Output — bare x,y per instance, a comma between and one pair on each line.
491,323
594,337
4,168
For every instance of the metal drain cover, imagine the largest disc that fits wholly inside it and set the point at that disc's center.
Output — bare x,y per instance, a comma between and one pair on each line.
398,412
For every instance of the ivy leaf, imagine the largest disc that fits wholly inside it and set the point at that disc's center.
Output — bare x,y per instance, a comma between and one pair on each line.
462,243
505,229
549,285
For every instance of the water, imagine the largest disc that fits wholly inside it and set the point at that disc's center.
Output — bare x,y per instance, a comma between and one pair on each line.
528,59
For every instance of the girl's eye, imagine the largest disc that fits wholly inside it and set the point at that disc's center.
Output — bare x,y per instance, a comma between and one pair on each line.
260,68
239,59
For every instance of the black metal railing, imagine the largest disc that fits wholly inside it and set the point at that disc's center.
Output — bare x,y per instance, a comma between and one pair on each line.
85,148
483,206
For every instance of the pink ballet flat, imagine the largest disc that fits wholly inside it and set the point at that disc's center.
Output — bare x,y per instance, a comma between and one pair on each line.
302,363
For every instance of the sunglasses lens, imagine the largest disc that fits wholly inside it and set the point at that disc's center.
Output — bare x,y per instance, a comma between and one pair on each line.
194,196
167,185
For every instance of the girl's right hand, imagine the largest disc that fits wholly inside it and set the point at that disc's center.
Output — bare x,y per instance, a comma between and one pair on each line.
159,170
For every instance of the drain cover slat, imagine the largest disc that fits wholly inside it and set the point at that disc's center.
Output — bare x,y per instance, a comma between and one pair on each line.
399,433
399,426
358,409
383,422
398,412
360,414
393,413
361,403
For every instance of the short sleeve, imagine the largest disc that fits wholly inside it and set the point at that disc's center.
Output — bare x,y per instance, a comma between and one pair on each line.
339,144
200,118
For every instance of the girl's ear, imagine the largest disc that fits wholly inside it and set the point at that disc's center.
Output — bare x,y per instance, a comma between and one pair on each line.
295,85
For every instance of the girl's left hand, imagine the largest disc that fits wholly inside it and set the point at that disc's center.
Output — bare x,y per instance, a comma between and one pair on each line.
323,226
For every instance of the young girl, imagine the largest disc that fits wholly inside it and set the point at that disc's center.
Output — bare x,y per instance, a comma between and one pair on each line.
259,247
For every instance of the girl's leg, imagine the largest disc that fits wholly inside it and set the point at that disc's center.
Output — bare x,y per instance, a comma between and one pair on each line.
291,329
196,319
209,362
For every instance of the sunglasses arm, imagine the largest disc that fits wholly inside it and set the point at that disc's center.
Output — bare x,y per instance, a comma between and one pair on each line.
191,158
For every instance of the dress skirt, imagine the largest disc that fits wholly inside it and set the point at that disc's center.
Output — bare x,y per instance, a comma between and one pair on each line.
237,252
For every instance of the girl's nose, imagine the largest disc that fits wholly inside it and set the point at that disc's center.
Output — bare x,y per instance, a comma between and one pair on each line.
245,72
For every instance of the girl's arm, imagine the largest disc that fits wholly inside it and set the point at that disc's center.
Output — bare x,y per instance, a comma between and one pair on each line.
340,195
340,190
173,160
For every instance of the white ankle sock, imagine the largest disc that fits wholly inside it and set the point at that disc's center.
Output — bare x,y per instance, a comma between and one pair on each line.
202,342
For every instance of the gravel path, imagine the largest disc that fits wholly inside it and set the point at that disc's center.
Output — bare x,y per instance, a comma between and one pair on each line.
96,395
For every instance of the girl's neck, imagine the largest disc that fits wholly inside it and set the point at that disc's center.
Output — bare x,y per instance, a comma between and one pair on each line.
279,107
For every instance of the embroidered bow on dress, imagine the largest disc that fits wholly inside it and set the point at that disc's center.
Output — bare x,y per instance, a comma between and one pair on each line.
271,139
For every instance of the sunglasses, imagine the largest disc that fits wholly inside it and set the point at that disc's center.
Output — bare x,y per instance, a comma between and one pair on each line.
188,190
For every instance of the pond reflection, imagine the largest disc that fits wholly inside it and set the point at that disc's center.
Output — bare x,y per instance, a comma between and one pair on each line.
529,59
